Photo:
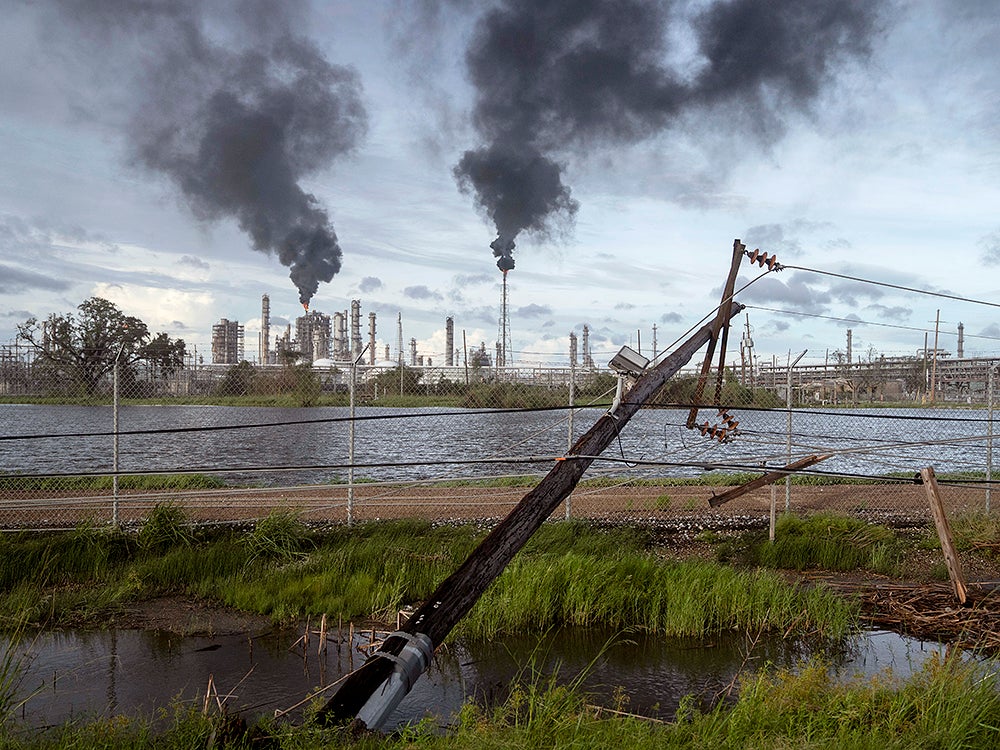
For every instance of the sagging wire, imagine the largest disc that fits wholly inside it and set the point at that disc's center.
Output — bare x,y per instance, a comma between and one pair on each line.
289,423
900,287
757,468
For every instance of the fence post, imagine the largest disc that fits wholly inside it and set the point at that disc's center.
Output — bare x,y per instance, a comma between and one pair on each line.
350,443
569,446
114,445
989,435
788,402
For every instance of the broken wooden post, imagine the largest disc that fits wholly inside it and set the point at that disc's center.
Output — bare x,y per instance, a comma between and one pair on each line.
944,533
766,479
373,691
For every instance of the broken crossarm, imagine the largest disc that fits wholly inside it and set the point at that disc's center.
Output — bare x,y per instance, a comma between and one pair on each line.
769,478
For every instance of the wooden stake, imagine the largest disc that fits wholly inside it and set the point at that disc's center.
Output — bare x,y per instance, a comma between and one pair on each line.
456,595
944,534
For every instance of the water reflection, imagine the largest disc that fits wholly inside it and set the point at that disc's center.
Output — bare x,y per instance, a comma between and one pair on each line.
86,674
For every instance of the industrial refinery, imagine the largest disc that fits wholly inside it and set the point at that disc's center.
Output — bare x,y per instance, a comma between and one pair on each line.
331,340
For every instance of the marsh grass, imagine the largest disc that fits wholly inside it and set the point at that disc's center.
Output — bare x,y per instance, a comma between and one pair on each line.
166,526
568,574
825,541
970,531
14,660
636,590
280,536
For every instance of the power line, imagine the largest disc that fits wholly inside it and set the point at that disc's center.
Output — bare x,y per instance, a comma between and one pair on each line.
896,286
867,322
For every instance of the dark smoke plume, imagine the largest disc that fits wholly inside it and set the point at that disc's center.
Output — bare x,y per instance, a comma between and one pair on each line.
518,188
238,118
554,77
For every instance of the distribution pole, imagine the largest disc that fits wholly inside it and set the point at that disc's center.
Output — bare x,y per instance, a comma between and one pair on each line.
372,692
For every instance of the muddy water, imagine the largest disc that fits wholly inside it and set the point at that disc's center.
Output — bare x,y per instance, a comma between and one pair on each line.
74,675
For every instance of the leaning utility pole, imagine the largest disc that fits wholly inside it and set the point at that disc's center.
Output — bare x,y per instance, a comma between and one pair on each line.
372,692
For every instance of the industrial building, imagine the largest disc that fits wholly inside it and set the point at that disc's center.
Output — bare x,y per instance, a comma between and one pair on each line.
227,342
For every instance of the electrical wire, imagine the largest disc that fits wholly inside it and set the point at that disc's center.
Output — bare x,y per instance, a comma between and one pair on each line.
900,287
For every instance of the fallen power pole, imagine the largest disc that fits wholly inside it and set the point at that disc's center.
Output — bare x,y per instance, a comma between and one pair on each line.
370,694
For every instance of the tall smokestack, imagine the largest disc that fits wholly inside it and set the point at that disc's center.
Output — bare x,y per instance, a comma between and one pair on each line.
413,352
355,328
265,329
399,338
371,338
588,361
449,342
961,341
572,349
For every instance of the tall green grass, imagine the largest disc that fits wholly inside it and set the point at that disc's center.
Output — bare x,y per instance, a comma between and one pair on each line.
568,574
637,590
824,541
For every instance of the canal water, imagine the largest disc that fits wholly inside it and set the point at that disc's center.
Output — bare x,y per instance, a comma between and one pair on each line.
79,675
267,444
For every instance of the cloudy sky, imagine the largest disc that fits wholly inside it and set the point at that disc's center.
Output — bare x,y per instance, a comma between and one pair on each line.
183,158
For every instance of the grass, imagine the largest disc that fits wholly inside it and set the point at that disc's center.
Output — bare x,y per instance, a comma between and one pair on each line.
950,704
568,574
824,541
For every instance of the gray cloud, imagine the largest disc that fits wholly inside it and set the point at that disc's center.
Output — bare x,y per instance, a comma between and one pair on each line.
852,292
370,284
193,262
795,292
534,311
465,279
897,313
990,246
15,280
420,292
671,317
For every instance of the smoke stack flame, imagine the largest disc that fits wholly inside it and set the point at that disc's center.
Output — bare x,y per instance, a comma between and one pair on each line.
305,306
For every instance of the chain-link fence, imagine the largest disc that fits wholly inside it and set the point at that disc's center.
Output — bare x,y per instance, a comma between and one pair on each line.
352,443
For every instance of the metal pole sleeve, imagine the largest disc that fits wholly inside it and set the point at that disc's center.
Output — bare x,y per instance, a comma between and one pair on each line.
411,662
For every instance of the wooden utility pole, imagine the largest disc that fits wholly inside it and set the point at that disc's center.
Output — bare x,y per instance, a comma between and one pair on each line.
370,693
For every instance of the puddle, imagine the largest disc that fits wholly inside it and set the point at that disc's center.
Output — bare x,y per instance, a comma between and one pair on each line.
87,674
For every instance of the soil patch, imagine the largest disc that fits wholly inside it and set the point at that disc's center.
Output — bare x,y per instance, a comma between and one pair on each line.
188,616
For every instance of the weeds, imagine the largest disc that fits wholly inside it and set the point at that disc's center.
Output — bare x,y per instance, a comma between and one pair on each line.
165,527
280,536
825,541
